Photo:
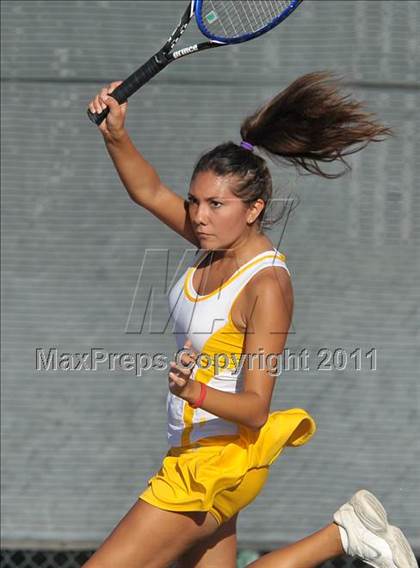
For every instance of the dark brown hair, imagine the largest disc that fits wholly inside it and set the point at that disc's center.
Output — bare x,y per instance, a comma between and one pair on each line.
307,123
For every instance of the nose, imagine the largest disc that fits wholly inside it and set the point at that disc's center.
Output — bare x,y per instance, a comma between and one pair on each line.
201,214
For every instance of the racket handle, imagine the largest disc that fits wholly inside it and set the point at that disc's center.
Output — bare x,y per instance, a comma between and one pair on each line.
132,84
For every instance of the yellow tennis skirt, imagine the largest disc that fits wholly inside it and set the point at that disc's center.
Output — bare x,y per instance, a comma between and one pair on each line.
223,474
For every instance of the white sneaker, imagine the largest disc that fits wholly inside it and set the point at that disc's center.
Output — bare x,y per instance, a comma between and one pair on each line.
368,535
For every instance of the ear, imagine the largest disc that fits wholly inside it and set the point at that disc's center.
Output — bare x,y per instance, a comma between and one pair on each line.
254,210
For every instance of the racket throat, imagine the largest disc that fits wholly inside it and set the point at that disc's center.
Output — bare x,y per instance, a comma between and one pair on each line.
182,26
162,59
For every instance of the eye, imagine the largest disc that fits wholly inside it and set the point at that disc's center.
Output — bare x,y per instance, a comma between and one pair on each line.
216,203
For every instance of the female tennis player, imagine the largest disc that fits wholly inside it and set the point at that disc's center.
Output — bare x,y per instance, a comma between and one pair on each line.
234,304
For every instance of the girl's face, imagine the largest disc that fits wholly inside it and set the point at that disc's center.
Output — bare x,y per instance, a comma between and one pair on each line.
218,217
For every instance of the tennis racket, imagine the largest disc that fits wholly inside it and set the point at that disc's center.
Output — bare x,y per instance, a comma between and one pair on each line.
223,22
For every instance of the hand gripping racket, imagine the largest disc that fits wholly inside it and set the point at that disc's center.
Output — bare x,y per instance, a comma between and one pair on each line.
223,22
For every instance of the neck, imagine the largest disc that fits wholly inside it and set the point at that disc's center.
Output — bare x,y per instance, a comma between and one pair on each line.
244,249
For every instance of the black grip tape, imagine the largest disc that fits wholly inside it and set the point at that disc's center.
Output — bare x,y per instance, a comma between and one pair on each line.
133,83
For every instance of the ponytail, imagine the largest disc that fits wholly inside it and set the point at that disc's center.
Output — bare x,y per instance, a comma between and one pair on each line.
312,122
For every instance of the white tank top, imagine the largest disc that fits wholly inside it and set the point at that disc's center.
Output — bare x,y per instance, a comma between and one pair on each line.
206,321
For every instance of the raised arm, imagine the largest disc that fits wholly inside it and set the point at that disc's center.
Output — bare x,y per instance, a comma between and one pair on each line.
139,177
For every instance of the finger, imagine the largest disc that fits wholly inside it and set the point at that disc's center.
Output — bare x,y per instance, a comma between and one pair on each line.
180,370
113,105
184,359
189,359
180,381
176,368
111,102
186,362
104,92
112,86
104,101
93,106
188,347
97,104
103,97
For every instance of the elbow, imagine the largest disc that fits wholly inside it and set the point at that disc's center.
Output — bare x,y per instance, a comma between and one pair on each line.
258,422
258,414
135,198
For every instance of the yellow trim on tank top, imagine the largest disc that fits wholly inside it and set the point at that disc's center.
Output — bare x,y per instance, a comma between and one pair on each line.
200,298
205,375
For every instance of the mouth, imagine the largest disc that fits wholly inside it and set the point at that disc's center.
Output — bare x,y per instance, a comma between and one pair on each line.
203,234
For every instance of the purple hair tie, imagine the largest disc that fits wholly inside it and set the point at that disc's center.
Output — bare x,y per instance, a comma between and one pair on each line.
247,145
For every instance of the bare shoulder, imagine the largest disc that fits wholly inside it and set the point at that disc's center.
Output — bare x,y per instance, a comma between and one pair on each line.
270,287
271,280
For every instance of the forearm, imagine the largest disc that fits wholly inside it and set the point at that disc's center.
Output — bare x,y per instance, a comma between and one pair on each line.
244,407
137,174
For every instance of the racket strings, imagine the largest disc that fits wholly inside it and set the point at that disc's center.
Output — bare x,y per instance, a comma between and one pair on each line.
231,19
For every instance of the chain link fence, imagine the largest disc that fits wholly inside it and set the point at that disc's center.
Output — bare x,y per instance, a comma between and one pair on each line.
76,558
